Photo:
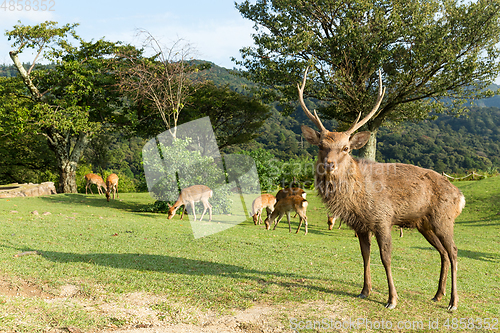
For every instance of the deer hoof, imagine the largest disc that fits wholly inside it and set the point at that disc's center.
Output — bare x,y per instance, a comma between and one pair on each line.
452,307
362,296
390,306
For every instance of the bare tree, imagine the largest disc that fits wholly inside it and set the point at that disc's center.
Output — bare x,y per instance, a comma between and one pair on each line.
165,79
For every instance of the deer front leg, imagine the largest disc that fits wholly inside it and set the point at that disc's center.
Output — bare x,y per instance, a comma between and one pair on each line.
365,244
384,241
193,208
278,220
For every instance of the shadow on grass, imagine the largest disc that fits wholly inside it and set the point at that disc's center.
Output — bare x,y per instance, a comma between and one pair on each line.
485,222
193,267
184,266
94,201
483,256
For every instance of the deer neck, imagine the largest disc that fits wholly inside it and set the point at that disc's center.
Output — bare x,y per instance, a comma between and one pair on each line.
344,193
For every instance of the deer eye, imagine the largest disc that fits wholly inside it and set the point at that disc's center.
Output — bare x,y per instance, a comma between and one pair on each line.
345,149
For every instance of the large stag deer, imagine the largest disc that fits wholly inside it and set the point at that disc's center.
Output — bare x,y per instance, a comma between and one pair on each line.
112,186
191,195
92,178
371,197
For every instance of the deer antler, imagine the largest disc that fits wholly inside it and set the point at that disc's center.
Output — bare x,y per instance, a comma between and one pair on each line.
381,92
315,119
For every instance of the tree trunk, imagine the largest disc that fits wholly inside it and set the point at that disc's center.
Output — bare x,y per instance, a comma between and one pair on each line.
369,151
25,76
68,152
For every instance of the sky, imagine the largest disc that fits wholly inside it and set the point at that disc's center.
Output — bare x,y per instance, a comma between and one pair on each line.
214,30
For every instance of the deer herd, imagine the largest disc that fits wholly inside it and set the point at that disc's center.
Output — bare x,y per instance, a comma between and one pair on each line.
367,196
111,185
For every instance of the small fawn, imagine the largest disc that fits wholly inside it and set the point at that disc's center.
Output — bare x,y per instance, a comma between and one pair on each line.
266,201
284,206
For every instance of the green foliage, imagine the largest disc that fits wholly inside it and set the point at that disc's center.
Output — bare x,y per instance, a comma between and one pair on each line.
235,117
25,158
268,168
66,102
427,50
449,144
196,170
298,172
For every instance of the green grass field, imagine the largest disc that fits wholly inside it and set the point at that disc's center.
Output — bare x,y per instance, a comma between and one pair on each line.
110,251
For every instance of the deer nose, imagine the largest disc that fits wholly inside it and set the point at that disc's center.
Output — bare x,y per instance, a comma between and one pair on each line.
329,166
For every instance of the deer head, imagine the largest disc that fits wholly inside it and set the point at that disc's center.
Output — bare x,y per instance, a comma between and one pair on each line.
334,147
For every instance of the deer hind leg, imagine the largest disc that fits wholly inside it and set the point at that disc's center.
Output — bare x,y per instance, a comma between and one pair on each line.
365,244
448,243
302,218
384,241
209,211
445,261
207,205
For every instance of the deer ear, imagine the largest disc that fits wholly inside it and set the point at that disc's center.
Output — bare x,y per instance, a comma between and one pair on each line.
359,139
311,135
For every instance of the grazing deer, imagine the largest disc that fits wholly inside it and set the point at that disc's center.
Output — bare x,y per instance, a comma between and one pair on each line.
371,197
112,185
92,178
191,195
266,201
331,222
288,191
284,206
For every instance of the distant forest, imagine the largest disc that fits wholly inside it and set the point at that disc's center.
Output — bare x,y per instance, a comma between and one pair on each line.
450,144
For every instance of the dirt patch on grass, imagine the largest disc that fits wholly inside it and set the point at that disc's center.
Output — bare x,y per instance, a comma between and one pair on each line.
260,318
146,313
21,288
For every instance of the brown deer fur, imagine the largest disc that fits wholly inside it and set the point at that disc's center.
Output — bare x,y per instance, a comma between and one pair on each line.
189,196
92,178
266,201
371,197
290,191
332,219
112,186
295,203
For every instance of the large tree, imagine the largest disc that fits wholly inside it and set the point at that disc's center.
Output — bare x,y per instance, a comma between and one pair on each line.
430,52
66,102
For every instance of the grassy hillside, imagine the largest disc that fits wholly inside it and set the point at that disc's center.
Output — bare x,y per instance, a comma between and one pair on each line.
109,255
